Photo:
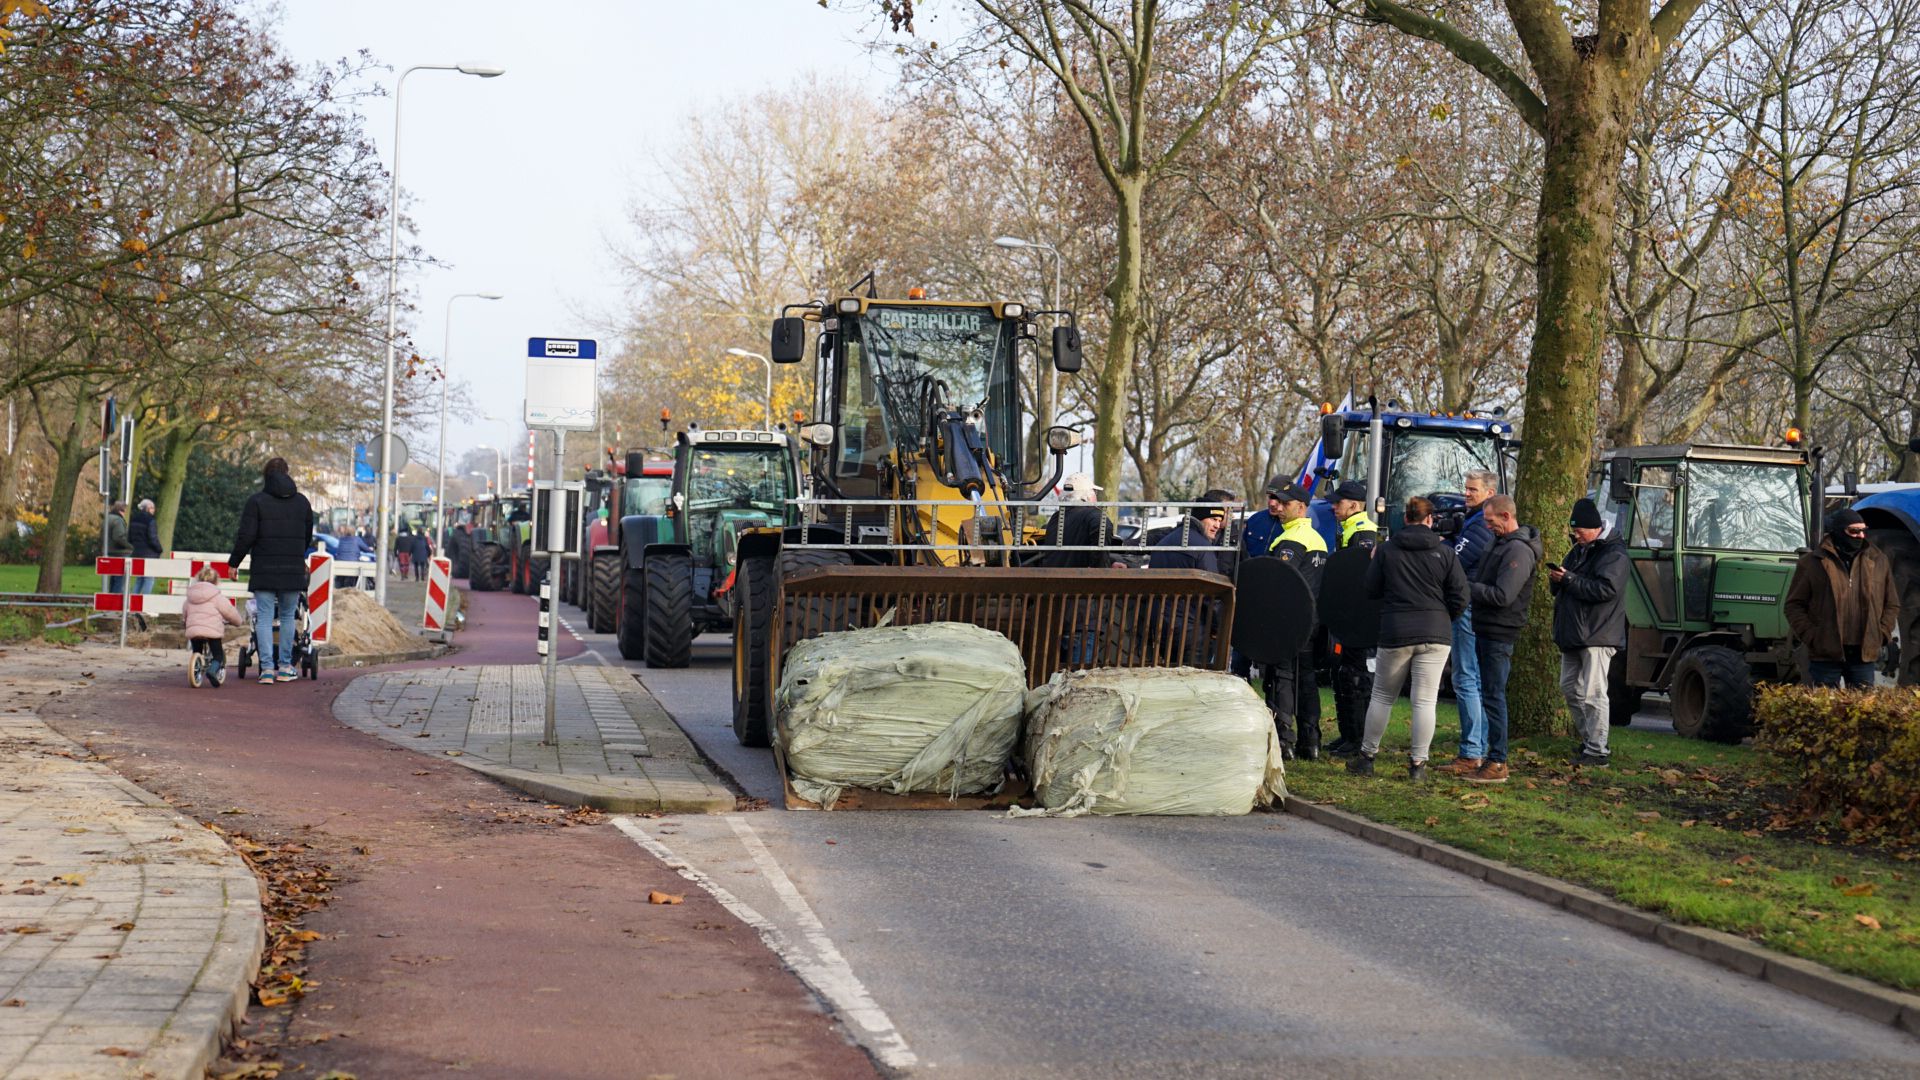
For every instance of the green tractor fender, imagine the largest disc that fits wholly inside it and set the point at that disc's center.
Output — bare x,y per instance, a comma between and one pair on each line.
638,532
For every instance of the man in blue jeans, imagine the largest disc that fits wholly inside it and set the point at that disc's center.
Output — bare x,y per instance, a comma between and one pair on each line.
275,527
1501,589
1470,547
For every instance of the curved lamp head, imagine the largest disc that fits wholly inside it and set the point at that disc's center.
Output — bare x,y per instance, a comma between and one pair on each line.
489,295
485,71
1011,242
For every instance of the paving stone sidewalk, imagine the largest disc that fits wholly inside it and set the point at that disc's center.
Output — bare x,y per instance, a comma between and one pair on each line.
616,748
128,933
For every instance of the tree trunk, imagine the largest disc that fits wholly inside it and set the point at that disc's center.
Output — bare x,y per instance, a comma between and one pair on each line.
1123,295
175,452
1585,149
71,453
10,484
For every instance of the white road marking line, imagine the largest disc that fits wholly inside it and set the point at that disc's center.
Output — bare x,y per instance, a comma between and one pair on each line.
819,964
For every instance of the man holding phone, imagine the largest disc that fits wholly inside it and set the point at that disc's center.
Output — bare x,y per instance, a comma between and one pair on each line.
1589,626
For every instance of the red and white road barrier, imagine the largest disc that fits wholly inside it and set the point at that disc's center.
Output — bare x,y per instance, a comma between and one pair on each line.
182,567
320,598
439,585
140,603
161,568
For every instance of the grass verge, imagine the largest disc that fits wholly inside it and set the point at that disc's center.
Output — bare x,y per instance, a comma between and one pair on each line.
26,624
1698,832
77,580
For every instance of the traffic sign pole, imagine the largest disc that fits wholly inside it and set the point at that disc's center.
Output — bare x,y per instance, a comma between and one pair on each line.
556,537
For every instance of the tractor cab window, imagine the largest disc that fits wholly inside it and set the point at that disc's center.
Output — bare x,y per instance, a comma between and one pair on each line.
1426,462
1653,498
646,495
737,480
1742,507
904,363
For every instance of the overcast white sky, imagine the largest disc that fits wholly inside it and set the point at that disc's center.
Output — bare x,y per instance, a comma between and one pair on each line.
519,182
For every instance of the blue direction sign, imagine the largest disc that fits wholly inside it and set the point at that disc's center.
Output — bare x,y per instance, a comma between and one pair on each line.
563,348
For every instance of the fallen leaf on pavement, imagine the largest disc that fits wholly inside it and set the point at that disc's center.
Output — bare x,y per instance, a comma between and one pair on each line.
268,1001
74,830
119,1051
655,896
454,753
420,772
1867,921
123,926
12,1003
233,810
68,879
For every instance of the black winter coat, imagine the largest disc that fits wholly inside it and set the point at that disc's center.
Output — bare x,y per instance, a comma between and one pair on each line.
1077,526
275,528
1418,578
1503,584
143,535
1590,603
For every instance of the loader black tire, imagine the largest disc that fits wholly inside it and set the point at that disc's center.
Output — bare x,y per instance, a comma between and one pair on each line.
1902,550
669,622
483,568
810,618
1712,694
1622,701
603,592
754,586
632,631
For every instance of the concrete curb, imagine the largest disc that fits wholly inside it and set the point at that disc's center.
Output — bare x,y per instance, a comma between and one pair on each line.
1805,977
614,800
337,661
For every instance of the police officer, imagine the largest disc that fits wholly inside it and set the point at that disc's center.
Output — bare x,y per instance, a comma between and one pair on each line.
1292,692
1352,682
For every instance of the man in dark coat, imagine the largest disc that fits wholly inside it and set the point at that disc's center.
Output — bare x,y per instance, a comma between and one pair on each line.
1589,626
143,534
1502,585
1842,604
1191,545
275,526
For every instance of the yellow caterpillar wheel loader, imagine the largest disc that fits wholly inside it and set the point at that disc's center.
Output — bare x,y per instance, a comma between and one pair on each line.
919,508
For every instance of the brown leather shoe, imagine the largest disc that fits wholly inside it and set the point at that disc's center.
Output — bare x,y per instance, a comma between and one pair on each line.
1492,772
1459,766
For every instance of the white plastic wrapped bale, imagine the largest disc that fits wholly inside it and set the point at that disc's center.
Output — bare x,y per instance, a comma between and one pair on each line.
1150,741
933,707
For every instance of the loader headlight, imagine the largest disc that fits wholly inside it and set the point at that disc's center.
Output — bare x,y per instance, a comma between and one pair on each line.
848,305
818,434
1403,422
1013,311
1062,439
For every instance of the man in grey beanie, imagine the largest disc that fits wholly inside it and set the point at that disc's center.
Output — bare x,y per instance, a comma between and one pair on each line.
1589,625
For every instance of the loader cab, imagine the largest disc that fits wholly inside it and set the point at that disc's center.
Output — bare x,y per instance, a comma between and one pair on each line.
885,367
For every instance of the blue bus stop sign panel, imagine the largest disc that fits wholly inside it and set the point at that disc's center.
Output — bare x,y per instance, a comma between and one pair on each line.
563,348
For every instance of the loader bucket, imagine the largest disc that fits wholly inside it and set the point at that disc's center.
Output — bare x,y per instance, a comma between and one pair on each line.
1137,618
1117,618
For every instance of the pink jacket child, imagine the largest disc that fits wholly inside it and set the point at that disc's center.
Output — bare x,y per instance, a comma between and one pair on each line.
207,611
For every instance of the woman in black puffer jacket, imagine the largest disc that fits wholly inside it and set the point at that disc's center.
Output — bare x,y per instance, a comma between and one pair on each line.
275,528
1422,589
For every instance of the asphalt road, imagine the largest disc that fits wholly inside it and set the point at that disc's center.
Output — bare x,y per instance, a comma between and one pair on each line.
966,944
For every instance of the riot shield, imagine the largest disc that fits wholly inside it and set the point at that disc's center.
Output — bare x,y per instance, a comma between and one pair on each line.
1351,616
1273,610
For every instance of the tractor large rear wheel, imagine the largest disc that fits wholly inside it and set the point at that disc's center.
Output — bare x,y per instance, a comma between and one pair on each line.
669,622
1712,694
632,631
603,592
1902,549
483,568
753,586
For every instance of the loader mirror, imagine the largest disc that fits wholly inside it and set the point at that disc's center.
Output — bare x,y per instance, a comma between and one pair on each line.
1066,349
1333,436
1619,490
789,343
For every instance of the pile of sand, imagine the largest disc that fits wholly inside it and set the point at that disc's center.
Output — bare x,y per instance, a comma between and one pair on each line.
361,626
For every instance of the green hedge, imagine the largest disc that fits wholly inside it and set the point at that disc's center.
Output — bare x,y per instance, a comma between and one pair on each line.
1856,752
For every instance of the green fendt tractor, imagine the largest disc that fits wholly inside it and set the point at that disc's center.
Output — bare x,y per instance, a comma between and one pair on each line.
678,577
1712,535
498,531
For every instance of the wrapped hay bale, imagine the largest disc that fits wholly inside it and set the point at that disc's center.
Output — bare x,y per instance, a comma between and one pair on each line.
1150,741
933,707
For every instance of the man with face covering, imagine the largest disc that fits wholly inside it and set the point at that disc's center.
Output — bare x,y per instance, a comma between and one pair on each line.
1842,604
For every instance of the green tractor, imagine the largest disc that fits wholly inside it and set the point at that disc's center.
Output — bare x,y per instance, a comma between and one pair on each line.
678,576
640,485
494,546
1712,535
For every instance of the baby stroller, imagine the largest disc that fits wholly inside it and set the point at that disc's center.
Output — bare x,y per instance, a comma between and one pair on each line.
306,661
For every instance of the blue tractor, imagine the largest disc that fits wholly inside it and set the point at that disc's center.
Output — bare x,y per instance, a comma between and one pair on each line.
1402,454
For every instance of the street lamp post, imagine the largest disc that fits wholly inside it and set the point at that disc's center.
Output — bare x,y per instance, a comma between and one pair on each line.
499,468
446,360
484,478
380,501
769,363
1012,243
